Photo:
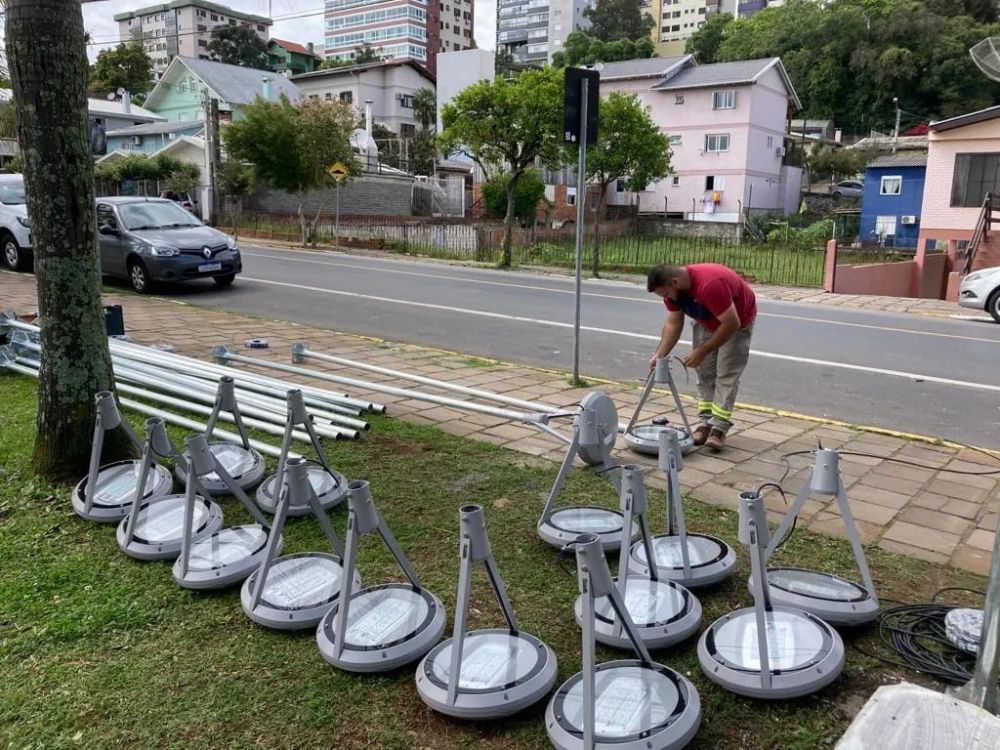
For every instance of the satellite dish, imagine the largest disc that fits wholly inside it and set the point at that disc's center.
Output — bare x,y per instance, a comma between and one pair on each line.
121,91
986,56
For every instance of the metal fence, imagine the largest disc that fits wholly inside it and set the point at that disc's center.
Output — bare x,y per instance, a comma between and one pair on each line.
795,261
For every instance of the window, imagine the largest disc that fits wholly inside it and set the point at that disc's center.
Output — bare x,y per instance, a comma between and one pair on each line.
724,100
891,185
347,97
202,43
675,181
570,196
885,226
407,130
202,27
314,97
678,98
201,13
770,141
975,176
328,97
106,216
406,101
676,140
717,142
619,186
215,17
260,28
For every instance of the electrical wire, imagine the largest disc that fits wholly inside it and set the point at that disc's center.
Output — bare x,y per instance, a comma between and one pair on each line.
781,491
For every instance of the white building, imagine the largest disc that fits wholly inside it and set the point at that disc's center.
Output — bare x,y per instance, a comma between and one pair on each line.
182,27
534,30
459,70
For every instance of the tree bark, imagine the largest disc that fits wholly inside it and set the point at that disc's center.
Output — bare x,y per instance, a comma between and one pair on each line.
48,70
303,229
508,222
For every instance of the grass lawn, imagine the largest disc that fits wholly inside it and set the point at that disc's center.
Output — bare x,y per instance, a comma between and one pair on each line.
101,651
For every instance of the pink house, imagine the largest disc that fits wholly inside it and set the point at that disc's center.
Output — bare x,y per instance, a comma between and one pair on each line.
727,123
963,166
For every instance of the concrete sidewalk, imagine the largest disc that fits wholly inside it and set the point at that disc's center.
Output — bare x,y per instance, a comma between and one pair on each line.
925,511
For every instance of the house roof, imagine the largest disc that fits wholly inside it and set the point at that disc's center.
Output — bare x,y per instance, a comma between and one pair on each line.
740,72
351,69
156,128
653,67
960,121
106,108
223,9
878,141
230,83
899,160
295,47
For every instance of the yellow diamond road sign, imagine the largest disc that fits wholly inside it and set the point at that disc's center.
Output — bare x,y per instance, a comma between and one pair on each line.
337,171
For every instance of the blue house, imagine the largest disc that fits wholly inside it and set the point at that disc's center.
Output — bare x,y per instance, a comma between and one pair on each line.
150,137
890,203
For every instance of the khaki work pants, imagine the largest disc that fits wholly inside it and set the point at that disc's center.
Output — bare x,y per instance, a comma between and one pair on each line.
719,376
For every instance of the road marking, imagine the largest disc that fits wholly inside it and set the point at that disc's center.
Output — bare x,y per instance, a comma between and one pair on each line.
645,301
630,334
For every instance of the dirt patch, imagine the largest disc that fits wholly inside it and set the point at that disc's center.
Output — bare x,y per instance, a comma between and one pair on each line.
401,447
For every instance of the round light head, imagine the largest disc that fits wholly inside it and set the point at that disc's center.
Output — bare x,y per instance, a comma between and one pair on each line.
663,612
833,599
331,489
637,706
710,559
564,525
501,673
299,590
805,654
115,489
159,527
606,424
245,466
388,626
645,439
223,558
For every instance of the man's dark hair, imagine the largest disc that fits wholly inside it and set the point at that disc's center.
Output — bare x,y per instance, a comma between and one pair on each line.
661,276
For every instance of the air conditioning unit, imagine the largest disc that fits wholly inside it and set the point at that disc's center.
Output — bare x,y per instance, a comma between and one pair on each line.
779,151
908,219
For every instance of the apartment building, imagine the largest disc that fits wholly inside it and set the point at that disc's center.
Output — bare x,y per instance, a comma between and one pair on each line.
182,27
399,29
534,30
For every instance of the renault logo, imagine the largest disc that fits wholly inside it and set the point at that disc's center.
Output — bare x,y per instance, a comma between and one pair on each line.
207,252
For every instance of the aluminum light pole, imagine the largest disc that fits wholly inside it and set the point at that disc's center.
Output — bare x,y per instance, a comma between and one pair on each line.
581,198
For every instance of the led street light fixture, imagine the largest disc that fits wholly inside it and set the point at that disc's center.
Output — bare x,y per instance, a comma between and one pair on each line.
836,600
244,464
631,704
328,485
295,591
595,428
378,628
154,529
768,651
645,438
663,611
693,560
106,493
229,555
484,674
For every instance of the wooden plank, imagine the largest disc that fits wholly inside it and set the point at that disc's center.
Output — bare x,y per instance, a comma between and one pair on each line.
908,717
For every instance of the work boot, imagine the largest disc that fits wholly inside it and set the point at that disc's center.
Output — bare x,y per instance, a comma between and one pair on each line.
700,434
716,440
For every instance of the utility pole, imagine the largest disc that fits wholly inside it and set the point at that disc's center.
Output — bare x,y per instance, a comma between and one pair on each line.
895,131
581,203
212,156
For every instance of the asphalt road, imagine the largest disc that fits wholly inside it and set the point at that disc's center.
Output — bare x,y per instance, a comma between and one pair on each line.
930,376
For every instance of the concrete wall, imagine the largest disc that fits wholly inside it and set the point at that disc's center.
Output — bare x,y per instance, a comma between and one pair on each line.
653,226
883,279
459,70
368,196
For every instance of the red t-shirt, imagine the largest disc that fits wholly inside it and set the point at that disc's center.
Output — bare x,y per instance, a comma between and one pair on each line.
714,288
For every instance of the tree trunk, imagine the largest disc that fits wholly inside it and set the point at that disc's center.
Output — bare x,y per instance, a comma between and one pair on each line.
48,70
303,228
508,222
596,258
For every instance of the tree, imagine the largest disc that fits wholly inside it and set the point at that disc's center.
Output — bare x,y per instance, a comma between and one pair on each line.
611,20
630,147
530,190
127,66
704,43
423,152
584,49
48,67
291,147
238,45
367,54
236,181
425,107
506,126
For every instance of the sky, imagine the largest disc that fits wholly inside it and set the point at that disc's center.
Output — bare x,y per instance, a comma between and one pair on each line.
98,17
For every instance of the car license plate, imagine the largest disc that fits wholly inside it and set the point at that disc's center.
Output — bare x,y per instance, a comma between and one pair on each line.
209,267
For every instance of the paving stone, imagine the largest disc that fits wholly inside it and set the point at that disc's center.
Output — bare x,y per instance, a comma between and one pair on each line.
832,525
716,494
985,483
893,484
707,463
933,540
956,490
878,496
981,539
764,435
870,512
442,414
901,548
970,558
769,470
930,500
511,431
459,427
989,521
933,519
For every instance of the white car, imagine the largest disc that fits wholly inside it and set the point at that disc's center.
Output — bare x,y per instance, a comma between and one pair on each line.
15,230
981,291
